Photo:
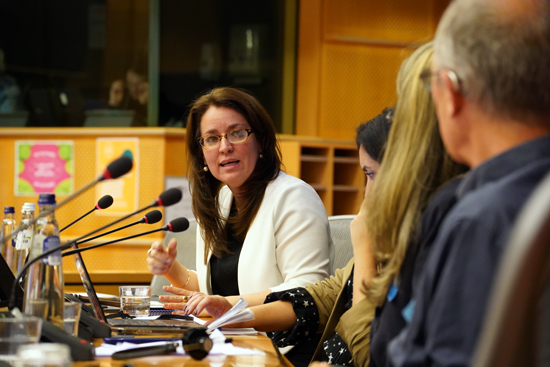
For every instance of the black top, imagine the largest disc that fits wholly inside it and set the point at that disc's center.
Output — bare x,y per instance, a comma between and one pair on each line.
390,319
451,296
224,270
307,316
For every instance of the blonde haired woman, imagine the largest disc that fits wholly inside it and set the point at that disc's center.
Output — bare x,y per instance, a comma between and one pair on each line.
404,211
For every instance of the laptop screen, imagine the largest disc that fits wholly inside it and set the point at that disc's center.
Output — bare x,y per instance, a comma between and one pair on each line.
88,285
6,284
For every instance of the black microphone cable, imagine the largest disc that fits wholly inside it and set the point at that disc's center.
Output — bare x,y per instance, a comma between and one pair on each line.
152,217
167,198
115,169
103,203
176,225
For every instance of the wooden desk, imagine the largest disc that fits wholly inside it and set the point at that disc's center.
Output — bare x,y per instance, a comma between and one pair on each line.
271,357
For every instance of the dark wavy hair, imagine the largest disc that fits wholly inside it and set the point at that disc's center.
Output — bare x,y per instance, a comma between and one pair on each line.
373,134
205,187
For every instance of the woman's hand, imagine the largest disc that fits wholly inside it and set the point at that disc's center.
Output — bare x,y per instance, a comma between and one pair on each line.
359,233
216,306
363,252
178,301
194,302
160,259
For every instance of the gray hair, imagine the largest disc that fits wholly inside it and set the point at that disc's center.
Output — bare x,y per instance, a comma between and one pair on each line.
502,59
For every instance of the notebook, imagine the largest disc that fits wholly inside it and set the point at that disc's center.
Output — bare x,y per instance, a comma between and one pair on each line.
127,326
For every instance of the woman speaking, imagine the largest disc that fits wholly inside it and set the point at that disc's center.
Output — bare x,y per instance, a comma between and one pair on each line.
259,229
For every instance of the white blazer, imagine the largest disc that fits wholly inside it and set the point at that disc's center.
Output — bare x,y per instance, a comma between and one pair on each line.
287,245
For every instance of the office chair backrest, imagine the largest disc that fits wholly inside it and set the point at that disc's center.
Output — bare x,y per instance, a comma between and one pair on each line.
341,238
186,253
513,333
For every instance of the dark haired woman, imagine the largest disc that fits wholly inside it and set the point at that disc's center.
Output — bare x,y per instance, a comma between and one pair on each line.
259,229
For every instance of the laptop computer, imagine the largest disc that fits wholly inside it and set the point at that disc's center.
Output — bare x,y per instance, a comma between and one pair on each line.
109,118
14,119
127,326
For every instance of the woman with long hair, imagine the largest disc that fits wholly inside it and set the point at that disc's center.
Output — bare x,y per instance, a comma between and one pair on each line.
259,229
414,191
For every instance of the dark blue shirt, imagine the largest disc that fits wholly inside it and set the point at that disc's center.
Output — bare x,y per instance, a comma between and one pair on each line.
451,296
391,318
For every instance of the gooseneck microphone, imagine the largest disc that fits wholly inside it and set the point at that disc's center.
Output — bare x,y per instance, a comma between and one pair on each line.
103,203
115,169
176,225
167,198
154,216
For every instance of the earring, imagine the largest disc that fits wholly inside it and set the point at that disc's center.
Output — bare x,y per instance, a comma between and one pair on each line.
205,168
261,156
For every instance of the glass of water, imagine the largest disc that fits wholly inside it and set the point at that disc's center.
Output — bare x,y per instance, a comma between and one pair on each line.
15,332
71,317
44,355
135,300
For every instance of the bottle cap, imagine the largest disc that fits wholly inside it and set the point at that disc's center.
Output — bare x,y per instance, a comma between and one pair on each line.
46,199
9,210
28,207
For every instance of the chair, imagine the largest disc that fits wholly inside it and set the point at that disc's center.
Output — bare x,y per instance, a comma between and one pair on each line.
186,254
517,323
341,238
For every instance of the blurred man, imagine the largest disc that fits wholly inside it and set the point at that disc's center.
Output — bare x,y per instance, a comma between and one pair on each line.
490,80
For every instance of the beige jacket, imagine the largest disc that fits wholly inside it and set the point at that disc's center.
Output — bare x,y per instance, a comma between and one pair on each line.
353,326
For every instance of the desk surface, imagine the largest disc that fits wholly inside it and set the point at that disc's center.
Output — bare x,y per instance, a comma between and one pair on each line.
271,357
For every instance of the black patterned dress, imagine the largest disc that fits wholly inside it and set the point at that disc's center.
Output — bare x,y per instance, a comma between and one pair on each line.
336,350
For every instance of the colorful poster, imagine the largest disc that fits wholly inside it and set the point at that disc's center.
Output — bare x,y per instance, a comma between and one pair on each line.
124,190
44,166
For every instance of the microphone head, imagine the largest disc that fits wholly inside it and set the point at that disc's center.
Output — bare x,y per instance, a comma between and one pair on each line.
105,202
117,168
177,225
152,217
168,197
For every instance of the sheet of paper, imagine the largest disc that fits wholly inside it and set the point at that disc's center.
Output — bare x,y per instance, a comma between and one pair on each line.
237,313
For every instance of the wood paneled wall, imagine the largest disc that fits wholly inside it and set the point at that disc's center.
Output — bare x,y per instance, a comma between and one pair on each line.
348,58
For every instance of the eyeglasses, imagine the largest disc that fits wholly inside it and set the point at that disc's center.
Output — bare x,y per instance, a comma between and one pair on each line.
234,137
427,74
426,78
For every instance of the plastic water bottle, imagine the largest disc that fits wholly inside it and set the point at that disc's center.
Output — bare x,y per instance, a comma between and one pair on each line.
8,226
24,238
44,293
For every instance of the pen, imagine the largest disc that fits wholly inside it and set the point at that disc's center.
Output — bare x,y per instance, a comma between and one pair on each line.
168,348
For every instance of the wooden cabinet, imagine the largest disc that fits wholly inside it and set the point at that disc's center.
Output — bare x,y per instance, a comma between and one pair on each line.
331,167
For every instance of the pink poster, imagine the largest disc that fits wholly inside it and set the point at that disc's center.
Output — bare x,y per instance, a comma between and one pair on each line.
44,166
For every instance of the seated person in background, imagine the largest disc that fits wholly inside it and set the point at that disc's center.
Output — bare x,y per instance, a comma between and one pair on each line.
371,138
490,82
132,93
9,90
338,307
118,95
259,229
